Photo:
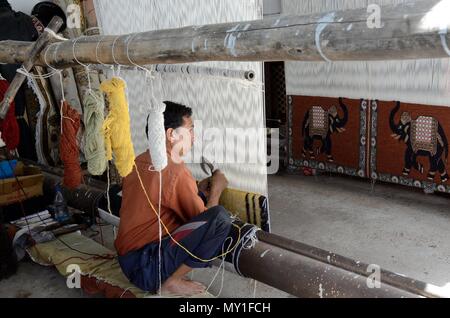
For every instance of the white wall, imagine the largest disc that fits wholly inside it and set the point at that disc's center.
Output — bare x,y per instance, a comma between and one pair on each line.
24,6
272,7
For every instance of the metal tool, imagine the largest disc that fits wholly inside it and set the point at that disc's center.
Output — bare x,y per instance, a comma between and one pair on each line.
209,169
207,166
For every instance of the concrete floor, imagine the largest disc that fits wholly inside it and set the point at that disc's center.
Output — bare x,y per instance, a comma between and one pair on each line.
401,229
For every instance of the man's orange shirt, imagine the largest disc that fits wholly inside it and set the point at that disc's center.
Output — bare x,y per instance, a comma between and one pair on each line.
179,203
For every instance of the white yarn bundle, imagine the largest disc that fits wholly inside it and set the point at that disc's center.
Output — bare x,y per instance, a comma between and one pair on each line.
157,135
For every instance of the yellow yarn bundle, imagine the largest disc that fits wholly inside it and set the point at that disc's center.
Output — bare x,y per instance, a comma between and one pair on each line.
116,127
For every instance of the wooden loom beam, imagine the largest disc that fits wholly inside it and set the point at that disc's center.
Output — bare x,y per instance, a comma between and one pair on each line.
409,31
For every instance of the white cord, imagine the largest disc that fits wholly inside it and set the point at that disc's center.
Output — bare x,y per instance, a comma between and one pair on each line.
96,53
128,288
160,232
130,38
221,267
91,28
108,199
55,71
254,288
252,238
22,70
114,58
86,67
54,35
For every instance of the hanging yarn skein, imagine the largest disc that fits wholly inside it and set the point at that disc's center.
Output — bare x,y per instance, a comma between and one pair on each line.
116,127
94,148
9,126
69,147
157,135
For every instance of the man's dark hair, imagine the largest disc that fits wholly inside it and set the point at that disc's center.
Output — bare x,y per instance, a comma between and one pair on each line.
5,4
173,115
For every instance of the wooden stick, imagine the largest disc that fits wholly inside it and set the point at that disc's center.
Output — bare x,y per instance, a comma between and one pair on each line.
36,48
78,80
409,31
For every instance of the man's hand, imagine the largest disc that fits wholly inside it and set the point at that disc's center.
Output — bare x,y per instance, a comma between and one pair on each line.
218,183
205,186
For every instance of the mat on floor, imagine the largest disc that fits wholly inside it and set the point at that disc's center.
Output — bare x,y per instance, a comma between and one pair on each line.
98,274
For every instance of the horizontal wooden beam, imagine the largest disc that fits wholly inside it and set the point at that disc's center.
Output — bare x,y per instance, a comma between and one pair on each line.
414,30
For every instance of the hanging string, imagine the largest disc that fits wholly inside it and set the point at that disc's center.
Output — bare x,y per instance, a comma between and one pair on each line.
94,148
248,241
108,199
254,287
96,53
114,58
86,67
116,127
69,150
130,38
88,30
32,83
160,232
59,72
221,267
22,70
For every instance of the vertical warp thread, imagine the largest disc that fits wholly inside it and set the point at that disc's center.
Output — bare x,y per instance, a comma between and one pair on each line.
9,126
69,147
116,127
94,148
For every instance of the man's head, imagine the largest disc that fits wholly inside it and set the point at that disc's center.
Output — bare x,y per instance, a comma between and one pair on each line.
179,127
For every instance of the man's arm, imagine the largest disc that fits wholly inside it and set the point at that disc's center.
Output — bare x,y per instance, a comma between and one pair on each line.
218,184
185,200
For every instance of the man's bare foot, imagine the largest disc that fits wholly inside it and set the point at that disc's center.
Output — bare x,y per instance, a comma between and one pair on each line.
182,286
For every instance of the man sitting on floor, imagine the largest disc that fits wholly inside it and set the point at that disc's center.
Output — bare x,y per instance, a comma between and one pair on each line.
201,229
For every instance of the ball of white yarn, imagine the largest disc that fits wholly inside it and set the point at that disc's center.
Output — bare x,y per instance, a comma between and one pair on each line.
157,136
